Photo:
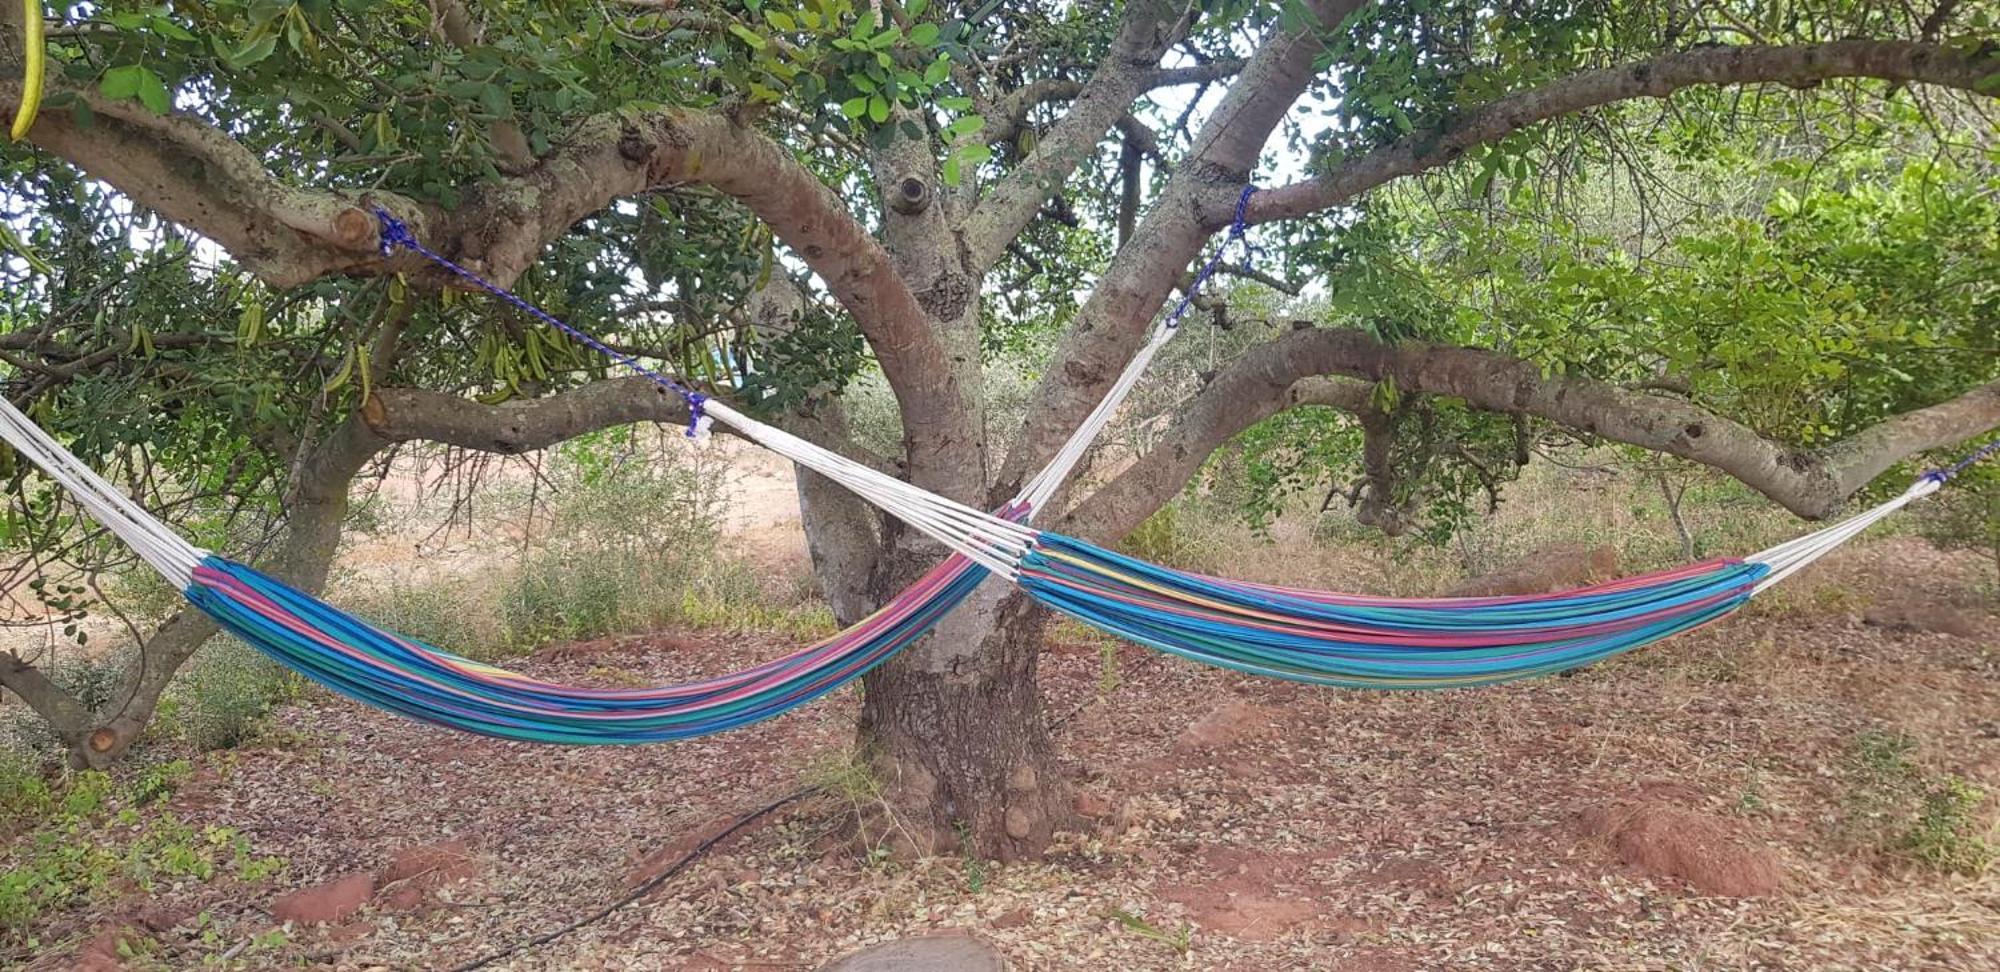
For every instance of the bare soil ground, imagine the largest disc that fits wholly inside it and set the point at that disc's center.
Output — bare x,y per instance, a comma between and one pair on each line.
1236,824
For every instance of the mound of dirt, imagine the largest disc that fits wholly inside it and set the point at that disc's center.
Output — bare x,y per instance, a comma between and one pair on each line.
1704,850
1225,725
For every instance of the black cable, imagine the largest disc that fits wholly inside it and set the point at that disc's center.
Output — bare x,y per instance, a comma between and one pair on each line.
645,888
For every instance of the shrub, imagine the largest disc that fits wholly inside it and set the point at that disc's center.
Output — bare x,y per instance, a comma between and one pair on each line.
1895,806
628,539
1945,834
89,832
220,699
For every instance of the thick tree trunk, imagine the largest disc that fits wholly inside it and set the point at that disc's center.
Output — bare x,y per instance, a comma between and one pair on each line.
955,735
952,729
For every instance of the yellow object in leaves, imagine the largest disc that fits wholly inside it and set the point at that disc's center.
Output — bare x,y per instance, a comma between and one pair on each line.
35,57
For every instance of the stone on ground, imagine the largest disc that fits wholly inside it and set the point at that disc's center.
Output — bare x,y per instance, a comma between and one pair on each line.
327,903
930,953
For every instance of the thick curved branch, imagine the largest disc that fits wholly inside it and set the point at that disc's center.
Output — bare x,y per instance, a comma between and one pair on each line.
1811,483
1799,66
1252,388
1148,29
512,428
199,177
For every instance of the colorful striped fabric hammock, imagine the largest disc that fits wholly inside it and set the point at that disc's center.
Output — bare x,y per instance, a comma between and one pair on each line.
1326,638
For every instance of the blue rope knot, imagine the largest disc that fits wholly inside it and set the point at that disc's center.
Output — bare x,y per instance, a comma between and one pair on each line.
1242,221
697,413
1942,476
395,233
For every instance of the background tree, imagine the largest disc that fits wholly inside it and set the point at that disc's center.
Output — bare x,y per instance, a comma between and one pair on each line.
779,199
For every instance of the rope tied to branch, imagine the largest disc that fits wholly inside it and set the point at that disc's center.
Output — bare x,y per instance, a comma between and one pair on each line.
1944,475
396,235
1237,227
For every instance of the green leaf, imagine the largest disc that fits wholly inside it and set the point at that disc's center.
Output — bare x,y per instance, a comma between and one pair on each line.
780,20
976,153
924,35
153,93
916,8
951,173
938,71
855,107
122,81
254,50
749,37
965,125
1989,84
493,100
955,103
878,109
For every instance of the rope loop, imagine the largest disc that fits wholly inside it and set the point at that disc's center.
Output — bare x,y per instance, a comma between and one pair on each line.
698,420
395,233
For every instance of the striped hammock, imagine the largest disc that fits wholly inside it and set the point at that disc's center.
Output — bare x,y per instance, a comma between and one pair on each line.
1311,636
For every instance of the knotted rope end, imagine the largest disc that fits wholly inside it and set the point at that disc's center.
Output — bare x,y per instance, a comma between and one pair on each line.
698,417
395,234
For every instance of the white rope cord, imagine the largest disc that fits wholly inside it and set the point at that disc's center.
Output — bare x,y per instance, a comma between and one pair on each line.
1038,491
1789,557
988,540
994,543
162,548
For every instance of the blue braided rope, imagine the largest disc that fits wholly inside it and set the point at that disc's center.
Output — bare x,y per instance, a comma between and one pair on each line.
395,234
1942,476
1237,228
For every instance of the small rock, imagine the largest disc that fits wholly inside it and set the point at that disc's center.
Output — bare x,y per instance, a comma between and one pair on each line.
1012,919
326,903
931,953
103,953
1019,825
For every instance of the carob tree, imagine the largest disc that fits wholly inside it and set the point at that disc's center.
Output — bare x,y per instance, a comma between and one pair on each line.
919,169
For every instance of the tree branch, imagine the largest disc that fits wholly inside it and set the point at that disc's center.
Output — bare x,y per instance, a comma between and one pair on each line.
1113,321
1810,483
1149,28
1798,66
1255,386
198,176
1012,109
515,427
